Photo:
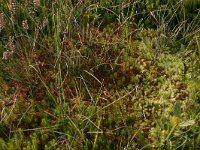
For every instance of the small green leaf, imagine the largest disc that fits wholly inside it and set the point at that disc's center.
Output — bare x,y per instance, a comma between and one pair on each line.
177,108
187,123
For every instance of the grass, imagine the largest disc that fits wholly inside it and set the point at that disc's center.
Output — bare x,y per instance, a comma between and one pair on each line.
99,75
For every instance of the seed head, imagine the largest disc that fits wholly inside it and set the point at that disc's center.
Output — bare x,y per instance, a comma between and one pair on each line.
36,2
25,24
12,5
6,55
10,48
2,21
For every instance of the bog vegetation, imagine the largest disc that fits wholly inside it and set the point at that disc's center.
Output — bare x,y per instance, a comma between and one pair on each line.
99,74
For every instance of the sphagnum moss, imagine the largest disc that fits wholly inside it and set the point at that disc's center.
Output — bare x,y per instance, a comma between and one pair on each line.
107,82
